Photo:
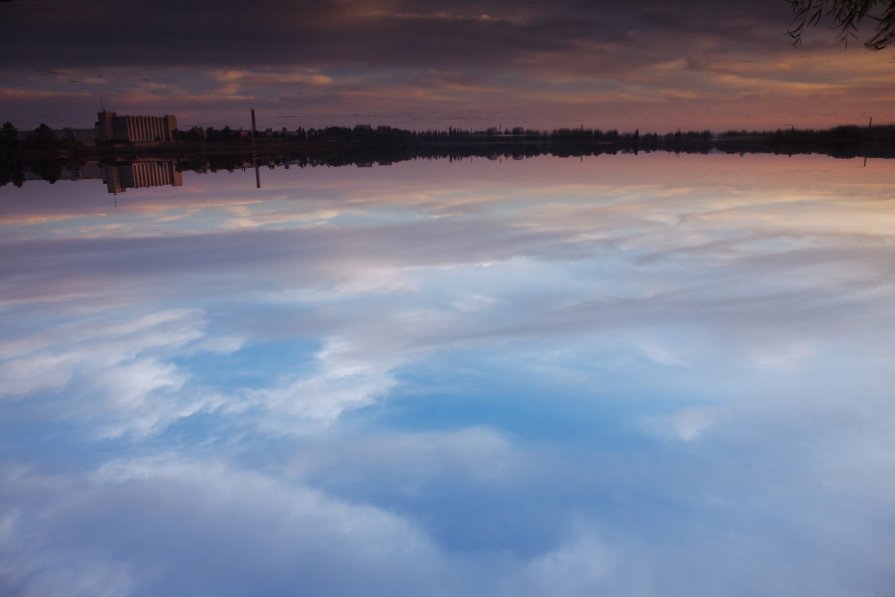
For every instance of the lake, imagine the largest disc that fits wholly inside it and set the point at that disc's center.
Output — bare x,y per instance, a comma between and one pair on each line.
615,375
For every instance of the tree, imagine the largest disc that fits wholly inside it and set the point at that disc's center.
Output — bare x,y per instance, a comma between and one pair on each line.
846,14
8,139
42,139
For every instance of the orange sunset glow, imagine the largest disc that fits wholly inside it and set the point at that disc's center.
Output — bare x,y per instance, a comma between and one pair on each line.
658,66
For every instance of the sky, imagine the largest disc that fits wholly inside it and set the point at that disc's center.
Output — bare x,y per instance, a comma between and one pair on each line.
653,65
625,375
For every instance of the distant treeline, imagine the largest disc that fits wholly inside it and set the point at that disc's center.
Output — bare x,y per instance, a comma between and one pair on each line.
848,139
41,152
44,153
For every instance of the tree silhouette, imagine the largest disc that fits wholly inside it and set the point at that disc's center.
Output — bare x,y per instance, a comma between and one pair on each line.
846,14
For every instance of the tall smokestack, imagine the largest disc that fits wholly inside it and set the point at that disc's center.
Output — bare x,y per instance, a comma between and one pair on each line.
254,157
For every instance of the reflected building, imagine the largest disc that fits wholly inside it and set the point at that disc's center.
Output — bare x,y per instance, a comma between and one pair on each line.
141,174
120,176
110,127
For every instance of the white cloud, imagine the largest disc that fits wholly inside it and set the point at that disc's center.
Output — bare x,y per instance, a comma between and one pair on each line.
470,303
203,526
409,461
579,567
345,378
230,529
111,371
377,280
781,355
355,367
686,425
661,355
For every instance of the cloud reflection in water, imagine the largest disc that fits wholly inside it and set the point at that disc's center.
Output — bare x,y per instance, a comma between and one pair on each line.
627,375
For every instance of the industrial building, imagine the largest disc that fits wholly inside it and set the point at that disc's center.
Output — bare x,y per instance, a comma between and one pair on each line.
110,127
141,174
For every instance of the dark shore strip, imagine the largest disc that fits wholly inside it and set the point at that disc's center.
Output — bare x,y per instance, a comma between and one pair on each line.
43,152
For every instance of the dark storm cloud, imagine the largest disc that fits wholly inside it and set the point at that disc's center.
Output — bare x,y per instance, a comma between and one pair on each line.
435,34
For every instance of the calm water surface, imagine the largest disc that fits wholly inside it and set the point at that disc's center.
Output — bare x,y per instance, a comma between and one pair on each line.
627,375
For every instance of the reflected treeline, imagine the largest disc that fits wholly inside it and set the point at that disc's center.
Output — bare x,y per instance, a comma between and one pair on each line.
41,154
